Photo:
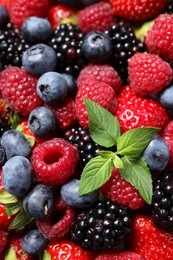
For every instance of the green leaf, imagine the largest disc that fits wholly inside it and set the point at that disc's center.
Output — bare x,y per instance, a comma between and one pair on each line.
12,209
103,126
117,162
20,221
7,198
133,142
46,255
106,154
96,172
30,139
142,31
10,255
137,173
14,119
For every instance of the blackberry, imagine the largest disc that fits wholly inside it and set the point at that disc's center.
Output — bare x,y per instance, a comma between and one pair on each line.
124,45
102,227
162,202
169,9
81,138
4,125
67,41
12,46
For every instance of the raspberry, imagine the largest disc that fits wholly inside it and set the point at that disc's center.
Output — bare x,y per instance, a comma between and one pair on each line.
19,89
3,241
54,161
99,16
61,228
65,113
118,190
22,9
160,37
134,111
168,137
102,73
99,92
148,73
119,255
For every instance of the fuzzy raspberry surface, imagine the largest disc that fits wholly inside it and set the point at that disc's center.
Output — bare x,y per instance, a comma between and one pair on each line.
138,10
168,137
54,161
99,16
61,228
148,73
65,113
134,111
149,241
19,90
119,190
99,92
102,73
160,37
22,9
124,255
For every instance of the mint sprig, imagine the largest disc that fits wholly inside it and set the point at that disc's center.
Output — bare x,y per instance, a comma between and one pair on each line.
105,130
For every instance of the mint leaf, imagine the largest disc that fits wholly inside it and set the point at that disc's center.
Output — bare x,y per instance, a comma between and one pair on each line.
104,127
20,221
10,254
46,255
117,162
133,142
7,198
14,119
137,173
96,172
106,154
12,209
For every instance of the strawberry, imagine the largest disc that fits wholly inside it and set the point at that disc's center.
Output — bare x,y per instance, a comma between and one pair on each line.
134,111
148,241
7,3
119,255
67,250
62,14
5,221
137,10
3,241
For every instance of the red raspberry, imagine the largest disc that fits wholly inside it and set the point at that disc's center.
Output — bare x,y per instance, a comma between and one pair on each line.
119,190
138,10
54,161
119,255
102,73
22,9
99,92
19,89
160,37
7,3
65,113
99,16
148,73
168,137
3,241
134,111
61,228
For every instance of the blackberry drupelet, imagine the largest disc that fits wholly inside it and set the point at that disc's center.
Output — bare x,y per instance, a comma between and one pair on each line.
162,202
12,46
169,9
4,125
124,45
81,138
67,41
101,227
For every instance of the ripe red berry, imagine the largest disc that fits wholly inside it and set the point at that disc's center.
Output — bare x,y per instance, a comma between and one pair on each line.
54,161
119,255
3,241
168,137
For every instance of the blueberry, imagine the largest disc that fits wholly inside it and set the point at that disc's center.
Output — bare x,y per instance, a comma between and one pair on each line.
69,194
16,175
36,29
14,143
157,154
42,121
2,156
97,47
166,97
33,243
38,59
71,84
52,87
4,17
39,202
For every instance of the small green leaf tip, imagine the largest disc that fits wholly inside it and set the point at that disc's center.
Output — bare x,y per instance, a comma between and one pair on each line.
103,126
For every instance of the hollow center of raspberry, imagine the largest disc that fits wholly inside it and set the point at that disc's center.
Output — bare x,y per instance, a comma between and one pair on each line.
52,157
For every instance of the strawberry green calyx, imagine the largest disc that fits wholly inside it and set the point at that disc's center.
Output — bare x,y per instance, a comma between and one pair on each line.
125,154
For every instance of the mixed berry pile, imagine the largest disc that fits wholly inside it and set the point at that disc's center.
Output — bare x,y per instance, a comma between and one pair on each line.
86,129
